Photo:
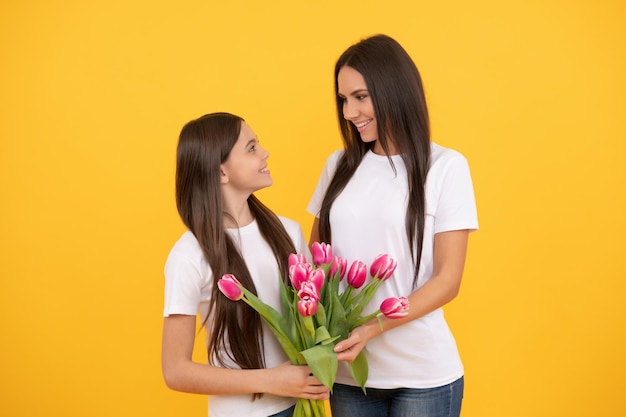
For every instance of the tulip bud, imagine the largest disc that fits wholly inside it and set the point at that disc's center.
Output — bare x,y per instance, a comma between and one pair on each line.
357,274
298,274
395,307
230,287
308,289
382,267
317,277
296,258
307,306
322,253
338,264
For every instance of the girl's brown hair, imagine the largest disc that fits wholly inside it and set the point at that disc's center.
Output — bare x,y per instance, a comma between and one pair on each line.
204,144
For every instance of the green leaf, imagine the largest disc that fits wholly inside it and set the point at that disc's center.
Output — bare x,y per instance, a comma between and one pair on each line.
337,319
322,361
322,336
276,322
320,316
359,370
286,301
285,296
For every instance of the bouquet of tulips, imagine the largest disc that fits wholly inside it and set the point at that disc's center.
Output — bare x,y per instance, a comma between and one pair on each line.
316,312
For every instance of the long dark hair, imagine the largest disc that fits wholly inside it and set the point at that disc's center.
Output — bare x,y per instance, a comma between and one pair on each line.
204,144
397,93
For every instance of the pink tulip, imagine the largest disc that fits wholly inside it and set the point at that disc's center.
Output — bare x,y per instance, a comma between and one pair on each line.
357,274
317,277
230,287
395,307
298,274
308,289
322,253
296,258
382,267
307,306
338,264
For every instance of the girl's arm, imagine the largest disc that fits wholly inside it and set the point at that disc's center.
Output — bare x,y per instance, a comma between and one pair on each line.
182,374
449,260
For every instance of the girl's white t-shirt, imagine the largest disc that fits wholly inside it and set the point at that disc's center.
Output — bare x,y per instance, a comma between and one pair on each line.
368,219
188,287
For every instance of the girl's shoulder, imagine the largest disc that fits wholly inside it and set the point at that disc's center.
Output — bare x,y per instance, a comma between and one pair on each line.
186,248
292,227
187,241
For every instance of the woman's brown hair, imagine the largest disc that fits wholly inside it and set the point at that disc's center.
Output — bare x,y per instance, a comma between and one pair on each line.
395,85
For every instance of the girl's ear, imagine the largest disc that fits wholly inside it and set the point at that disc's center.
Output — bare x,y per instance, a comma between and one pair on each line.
223,176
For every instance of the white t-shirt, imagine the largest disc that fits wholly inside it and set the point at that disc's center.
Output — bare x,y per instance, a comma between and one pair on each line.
368,219
188,286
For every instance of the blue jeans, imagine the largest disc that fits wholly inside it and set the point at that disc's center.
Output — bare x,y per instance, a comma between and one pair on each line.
445,401
285,413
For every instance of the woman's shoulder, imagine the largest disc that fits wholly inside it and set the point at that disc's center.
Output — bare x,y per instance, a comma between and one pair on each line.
442,157
334,157
438,152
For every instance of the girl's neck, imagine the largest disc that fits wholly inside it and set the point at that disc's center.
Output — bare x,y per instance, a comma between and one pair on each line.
238,215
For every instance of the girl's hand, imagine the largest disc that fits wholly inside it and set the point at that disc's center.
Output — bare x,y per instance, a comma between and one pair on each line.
297,381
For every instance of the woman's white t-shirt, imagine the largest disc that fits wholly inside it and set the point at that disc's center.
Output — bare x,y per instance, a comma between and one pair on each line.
368,219
188,287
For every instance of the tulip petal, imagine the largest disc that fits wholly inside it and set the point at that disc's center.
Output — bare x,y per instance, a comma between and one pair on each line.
322,253
395,307
230,287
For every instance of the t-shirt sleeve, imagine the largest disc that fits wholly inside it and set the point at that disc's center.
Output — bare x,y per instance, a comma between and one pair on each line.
315,204
456,204
295,232
183,285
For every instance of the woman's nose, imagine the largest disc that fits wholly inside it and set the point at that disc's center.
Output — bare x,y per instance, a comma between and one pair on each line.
349,110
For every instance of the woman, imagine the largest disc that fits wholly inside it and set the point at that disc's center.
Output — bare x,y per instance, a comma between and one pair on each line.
391,190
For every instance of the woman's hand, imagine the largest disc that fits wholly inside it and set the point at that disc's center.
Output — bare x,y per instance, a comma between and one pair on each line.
348,349
296,381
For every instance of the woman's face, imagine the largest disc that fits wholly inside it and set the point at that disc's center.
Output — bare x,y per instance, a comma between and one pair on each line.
358,107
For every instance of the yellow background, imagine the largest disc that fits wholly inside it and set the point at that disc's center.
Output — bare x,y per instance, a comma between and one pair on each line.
93,96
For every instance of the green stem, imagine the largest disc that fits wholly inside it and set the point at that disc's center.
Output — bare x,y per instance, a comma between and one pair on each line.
365,319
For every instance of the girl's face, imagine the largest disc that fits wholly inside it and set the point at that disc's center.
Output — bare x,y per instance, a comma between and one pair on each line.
245,171
358,107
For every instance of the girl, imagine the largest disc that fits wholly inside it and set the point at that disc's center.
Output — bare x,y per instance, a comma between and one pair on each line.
219,165
393,191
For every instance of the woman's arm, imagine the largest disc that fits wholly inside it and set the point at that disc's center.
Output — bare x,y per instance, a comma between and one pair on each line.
449,253
182,374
